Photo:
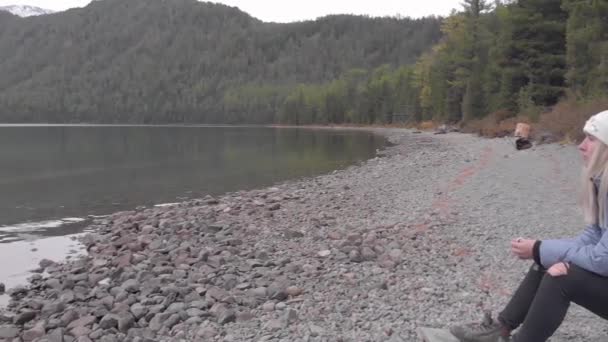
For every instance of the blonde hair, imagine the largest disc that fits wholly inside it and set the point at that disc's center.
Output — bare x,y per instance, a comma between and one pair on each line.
594,204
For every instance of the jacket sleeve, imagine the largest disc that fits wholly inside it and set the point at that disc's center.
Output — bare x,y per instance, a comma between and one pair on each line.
554,251
593,257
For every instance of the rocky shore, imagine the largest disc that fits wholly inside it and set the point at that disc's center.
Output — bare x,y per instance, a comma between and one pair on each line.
417,236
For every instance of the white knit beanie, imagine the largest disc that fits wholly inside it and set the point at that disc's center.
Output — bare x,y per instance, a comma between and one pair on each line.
597,125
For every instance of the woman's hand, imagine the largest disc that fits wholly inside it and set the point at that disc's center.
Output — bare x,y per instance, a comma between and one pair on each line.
522,248
559,269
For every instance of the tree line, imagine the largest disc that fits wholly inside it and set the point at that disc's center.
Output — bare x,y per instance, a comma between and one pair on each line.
155,61
503,58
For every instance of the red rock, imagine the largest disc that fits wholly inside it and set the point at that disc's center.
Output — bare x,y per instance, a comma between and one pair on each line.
82,321
124,260
80,331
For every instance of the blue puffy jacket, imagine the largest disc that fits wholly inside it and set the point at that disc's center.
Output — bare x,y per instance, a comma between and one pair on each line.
589,250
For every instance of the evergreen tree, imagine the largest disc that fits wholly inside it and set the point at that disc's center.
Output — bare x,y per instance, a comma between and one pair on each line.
535,56
156,61
587,46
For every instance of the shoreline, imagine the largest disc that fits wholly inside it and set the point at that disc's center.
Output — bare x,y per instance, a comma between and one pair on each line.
373,251
32,232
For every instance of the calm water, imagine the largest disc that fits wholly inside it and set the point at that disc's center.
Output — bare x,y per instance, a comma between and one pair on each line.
53,177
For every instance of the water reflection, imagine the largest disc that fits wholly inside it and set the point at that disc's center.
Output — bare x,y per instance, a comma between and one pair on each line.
48,173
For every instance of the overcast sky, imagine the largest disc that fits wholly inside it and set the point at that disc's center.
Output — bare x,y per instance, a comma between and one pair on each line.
286,11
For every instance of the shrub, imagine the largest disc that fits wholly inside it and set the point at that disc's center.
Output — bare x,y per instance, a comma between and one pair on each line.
567,118
427,125
498,124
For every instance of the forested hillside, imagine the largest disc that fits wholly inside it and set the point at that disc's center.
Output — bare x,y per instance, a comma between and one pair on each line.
496,59
155,61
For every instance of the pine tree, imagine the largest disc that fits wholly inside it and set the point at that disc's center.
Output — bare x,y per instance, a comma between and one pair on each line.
587,46
535,56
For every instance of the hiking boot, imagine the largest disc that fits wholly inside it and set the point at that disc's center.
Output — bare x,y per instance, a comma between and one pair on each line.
486,331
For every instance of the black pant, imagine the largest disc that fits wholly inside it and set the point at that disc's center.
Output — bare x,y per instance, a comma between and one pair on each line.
541,301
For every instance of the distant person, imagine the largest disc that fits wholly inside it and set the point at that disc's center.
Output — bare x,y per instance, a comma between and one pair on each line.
564,271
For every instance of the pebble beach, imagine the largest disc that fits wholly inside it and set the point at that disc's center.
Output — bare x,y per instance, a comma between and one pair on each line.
417,236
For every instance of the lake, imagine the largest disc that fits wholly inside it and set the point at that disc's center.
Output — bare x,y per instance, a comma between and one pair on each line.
55,179
52,178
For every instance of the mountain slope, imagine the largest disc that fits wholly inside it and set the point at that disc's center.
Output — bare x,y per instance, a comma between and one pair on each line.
25,10
159,61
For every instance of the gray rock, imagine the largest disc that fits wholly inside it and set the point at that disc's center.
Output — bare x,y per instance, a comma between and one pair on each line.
6,317
154,309
355,256
55,335
226,316
172,320
82,321
395,338
291,316
396,254
277,292
273,325
206,332
80,277
234,242
268,306
216,293
293,234
80,331
34,278
243,286
324,253
18,291
260,292
216,261
53,283
67,296
193,320
108,338
125,322
138,310
368,254
180,274
121,295
176,307
24,317
294,291
316,330
108,301
274,206
8,331
230,281
200,304
109,321
35,304
131,285
54,323
44,263
194,312
34,333
244,316
2,288
156,323
183,315
52,308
